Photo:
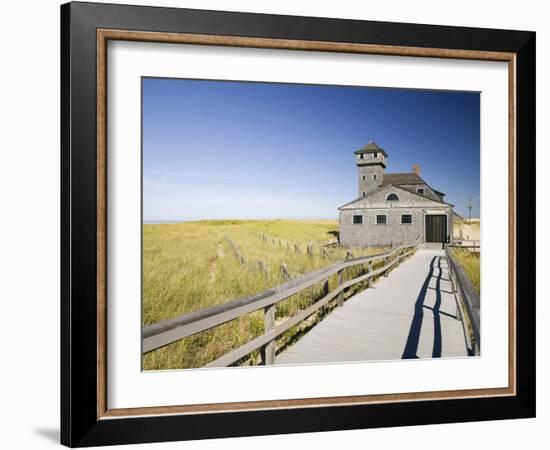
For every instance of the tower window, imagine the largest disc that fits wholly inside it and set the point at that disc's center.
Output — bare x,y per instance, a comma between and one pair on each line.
374,177
392,198
375,154
381,219
361,156
364,193
363,177
406,218
420,191
357,220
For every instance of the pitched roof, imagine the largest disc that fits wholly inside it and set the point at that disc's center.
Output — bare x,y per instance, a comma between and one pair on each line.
371,147
380,188
398,179
401,178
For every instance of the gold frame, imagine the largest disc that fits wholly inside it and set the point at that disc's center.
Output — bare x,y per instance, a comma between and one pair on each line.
104,35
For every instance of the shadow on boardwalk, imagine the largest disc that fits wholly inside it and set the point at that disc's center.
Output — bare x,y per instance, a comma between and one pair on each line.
411,346
409,315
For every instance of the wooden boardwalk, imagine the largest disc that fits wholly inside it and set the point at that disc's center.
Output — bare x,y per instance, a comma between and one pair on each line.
410,314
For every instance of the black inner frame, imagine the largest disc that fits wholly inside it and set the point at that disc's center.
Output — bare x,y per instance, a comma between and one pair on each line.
79,424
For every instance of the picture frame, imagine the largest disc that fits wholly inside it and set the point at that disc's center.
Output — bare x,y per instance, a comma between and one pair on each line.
86,418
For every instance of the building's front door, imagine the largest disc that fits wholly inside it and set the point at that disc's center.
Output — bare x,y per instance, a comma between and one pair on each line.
436,228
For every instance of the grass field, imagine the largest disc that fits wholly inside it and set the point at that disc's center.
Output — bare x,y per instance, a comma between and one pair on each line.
471,264
194,265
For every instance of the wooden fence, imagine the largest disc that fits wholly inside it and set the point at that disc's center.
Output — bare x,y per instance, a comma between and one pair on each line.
163,333
467,297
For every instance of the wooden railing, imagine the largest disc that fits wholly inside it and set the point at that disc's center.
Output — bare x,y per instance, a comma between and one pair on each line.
163,333
467,297
468,244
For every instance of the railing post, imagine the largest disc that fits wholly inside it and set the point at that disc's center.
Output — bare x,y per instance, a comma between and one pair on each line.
340,298
385,264
268,350
454,287
369,281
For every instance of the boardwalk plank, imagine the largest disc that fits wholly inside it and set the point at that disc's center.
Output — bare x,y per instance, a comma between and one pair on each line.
410,313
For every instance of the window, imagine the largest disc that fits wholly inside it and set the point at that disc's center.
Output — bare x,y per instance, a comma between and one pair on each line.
406,218
374,177
380,219
363,177
392,198
420,191
364,193
361,156
357,220
375,155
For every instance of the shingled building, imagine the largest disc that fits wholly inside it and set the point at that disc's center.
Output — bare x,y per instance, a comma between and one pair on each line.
392,208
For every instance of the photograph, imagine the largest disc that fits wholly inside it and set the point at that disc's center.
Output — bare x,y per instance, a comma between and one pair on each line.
272,223
296,224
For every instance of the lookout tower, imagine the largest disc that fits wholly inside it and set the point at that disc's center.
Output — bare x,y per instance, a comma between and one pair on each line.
371,162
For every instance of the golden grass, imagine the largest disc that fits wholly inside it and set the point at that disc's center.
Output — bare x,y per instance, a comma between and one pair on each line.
194,265
470,261
474,223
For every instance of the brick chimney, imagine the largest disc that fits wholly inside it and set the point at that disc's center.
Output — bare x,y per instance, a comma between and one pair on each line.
416,169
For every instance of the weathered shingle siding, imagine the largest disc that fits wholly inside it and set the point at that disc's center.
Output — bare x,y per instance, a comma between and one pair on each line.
368,166
369,184
369,233
394,232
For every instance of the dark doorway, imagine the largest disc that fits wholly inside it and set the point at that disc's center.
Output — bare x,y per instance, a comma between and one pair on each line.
436,228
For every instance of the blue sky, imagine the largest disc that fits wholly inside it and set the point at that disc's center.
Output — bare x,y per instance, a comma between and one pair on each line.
219,150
